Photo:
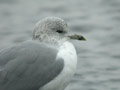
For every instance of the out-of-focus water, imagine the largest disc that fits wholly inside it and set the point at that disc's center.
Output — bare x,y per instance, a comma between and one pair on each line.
98,20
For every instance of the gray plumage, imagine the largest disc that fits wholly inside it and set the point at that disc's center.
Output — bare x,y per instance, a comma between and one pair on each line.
45,63
26,66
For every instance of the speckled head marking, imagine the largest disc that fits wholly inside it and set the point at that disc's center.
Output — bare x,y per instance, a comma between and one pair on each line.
50,30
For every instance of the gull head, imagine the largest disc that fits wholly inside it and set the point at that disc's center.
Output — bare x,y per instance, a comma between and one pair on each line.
53,30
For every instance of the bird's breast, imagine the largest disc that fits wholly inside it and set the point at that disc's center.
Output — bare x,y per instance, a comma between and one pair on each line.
68,54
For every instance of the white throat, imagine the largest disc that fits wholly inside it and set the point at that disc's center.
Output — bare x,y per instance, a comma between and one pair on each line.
68,53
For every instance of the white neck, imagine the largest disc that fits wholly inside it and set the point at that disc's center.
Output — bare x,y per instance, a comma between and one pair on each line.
68,53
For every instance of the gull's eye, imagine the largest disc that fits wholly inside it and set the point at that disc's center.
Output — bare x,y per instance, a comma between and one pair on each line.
59,31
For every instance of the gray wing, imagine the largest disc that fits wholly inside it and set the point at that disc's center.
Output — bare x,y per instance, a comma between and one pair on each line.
28,66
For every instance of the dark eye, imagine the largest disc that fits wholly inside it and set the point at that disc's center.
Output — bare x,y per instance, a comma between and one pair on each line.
59,31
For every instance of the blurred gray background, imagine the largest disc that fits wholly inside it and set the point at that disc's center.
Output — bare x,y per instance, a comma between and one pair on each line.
98,20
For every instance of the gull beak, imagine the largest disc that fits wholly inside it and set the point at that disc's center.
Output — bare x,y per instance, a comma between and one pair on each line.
77,37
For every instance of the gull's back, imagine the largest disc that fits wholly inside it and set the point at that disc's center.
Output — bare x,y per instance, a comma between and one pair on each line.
28,66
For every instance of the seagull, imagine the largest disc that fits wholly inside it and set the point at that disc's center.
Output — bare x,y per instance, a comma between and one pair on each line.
46,62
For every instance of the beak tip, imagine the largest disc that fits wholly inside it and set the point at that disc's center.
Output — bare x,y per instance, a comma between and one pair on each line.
84,39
